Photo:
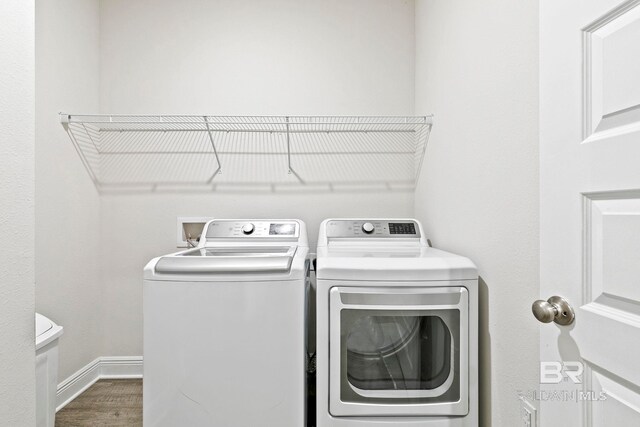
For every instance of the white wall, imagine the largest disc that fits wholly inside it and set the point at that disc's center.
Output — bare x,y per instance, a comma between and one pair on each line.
17,351
477,70
257,57
249,57
68,287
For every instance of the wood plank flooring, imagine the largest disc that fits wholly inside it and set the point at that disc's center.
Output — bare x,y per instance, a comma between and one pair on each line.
113,403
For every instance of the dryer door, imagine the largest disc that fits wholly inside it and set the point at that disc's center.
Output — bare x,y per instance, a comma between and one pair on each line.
398,351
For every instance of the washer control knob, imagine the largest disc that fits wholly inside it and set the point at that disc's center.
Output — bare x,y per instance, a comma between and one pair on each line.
248,228
368,228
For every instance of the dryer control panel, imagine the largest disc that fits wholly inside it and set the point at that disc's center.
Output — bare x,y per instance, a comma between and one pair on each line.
253,229
373,228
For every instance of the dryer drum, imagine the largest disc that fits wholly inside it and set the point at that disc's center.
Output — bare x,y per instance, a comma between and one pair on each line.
398,352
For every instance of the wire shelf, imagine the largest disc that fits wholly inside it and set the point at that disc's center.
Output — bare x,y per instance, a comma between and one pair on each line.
155,153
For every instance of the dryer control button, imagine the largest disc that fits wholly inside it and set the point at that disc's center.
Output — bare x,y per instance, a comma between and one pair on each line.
248,228
368,228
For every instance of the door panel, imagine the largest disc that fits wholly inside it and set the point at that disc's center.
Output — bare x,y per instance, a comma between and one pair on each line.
612,94
613,249
623,401
590,206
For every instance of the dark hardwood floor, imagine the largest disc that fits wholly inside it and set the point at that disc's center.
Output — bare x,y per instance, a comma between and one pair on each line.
113,403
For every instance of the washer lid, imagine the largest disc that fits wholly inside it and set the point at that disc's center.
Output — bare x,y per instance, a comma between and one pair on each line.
42,324
46,331
225,260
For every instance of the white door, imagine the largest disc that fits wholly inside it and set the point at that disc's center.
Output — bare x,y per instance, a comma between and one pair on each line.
590,210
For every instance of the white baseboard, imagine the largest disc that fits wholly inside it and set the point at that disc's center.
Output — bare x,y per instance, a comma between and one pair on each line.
103,367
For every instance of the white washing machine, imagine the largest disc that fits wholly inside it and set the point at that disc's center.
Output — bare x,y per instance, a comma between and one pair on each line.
397,328
224,328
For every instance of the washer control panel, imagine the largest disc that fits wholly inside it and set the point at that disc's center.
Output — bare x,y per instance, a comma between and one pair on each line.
254,229
373,228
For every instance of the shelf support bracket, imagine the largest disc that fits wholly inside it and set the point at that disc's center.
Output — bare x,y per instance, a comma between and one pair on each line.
64,119
83,158
215,151
291,170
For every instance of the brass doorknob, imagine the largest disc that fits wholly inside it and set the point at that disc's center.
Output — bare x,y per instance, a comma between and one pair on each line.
555,309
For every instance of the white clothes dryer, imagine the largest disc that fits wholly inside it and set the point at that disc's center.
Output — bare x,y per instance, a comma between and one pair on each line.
224,328
397,328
